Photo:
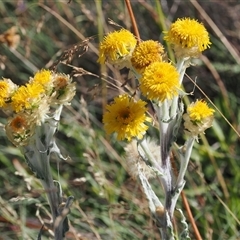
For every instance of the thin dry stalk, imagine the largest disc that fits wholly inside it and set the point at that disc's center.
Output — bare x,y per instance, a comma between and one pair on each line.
133,20
190,216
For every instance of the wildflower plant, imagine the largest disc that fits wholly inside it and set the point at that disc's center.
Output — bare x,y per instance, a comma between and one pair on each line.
34,111
160,83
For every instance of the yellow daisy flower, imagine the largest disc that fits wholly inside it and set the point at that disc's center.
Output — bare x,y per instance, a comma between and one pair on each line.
26,97
45,79
199,110
3,92
126,118
117,47
160,81
198,118
7,88
145,53
42,77
188,36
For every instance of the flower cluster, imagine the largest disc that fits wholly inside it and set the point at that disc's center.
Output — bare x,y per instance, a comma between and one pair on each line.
159,80
31,104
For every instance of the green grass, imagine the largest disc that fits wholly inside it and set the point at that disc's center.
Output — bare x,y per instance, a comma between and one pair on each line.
108,203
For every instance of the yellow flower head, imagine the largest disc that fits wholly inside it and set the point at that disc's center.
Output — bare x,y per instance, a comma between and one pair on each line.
19,129
198,118
126,118
188,36
145,53
7,88
117,47
199,110
42,77
160,81
26,97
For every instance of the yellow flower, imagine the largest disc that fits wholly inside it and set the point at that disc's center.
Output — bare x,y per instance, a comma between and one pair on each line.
45,79
145,53
198,118
42,77
199,110
126,117
27,96
3,92
117,47
7,88
188,36
160,81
